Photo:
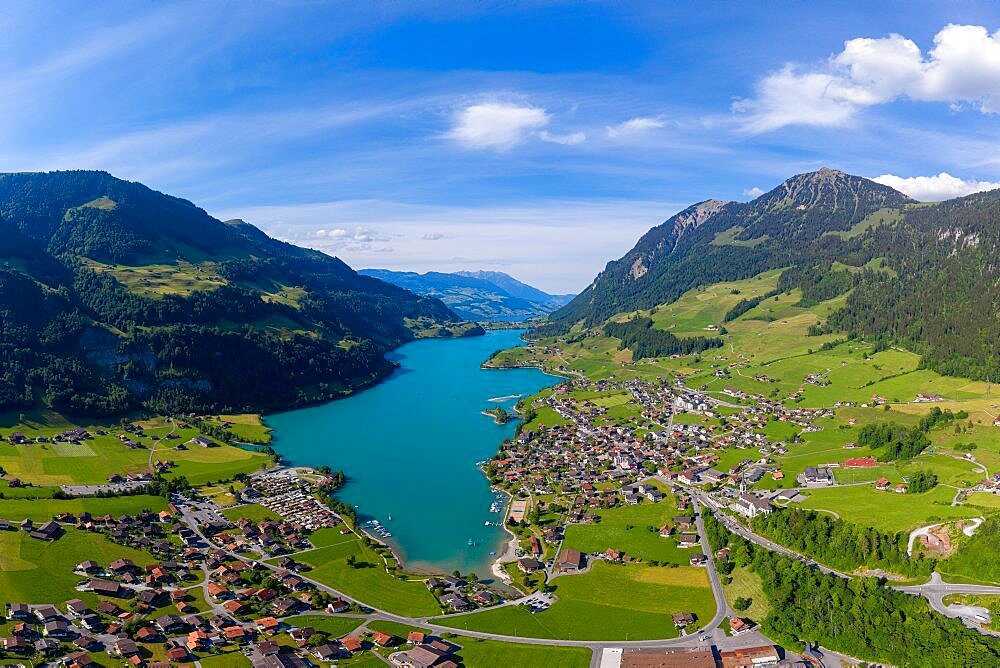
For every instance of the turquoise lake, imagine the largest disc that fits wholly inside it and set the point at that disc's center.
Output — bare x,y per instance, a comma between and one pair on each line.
409,447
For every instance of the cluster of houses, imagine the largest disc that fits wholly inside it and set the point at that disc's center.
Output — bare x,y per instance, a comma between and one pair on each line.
584,450
460,595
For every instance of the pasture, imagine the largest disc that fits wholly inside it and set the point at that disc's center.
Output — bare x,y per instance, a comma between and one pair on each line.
367,580
593,606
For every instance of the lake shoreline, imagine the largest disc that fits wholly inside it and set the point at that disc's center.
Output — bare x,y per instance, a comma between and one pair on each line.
432,432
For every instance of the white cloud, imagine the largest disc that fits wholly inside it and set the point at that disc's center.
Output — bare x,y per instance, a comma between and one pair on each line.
432,236
962,69
635,126
754,192
566,140
935,188
496,125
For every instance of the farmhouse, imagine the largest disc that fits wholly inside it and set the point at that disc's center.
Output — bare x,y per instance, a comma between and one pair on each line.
569,560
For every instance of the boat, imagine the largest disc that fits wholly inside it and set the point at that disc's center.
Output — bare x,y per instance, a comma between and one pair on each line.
471,543
390,517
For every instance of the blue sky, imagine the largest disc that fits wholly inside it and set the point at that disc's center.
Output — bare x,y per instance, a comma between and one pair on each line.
541,139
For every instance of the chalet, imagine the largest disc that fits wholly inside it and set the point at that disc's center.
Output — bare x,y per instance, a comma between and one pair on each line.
351,643
687,540
88,567
739,625
58,629
456,602
569,560
270,626
330,652
382,639
682,619
698,559
48,531
201,441
47,613
882,484
76,607
18,611
79,660
900,489
817,476
338,605
17,644
170,624
47,646
125,648
421,656
529,565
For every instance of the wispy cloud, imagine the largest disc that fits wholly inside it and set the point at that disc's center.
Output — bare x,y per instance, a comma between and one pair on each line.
634,126
556,244
566,140
935,188
962,69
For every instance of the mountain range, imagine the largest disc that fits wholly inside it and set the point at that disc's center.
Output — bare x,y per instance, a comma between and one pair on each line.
477,295
924,275
114,296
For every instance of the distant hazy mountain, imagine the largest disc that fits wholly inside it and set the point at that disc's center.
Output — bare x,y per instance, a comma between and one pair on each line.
477,295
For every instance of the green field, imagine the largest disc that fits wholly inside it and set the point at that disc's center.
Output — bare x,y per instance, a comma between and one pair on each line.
634,530
156,280
248,427
44,509
335,627
368,583
888,511
476,653
250,511
93,461
35,571
611,602
746,584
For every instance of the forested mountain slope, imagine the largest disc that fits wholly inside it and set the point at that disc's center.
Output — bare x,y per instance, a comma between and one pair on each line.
925,275
114,296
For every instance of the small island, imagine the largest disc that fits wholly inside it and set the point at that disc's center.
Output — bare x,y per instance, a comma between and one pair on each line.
500,414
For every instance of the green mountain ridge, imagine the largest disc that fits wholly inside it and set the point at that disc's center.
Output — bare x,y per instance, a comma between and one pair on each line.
923,275
114,296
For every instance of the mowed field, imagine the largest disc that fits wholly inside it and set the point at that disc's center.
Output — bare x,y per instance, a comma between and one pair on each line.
634,530
476,653
35,571
887,510
610,602
368,582
41,510
93,461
